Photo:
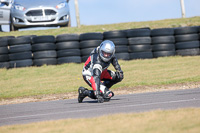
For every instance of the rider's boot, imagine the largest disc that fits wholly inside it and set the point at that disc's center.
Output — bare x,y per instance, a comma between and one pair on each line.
83,92
107,95
99,97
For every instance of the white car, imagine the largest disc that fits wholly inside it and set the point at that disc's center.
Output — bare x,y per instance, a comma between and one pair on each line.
34,13
5,6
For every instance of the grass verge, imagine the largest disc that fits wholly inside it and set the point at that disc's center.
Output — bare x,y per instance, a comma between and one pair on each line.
45,80
170,121
167,23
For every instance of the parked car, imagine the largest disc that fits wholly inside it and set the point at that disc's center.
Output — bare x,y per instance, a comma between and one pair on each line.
31,13
5,6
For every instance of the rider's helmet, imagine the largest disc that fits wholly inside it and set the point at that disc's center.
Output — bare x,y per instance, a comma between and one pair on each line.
106,50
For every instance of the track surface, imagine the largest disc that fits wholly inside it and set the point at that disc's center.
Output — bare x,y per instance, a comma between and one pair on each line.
54,110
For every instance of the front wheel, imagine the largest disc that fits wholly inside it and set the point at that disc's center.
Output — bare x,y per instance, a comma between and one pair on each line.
13,28
68,24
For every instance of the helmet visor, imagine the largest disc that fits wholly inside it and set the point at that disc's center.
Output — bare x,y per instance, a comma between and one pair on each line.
106,55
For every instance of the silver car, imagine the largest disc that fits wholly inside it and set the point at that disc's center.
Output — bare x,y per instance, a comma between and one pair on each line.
30,13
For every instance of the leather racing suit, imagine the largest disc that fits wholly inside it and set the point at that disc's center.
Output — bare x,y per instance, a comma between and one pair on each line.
95,70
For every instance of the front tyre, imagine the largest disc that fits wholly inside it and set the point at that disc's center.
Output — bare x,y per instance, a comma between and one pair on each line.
13,28
68,24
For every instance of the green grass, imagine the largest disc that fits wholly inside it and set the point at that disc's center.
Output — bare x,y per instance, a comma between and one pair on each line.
57,79
175,121
35,81
167,23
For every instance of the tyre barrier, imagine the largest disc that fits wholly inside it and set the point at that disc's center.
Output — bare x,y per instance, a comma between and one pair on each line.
67,46
89,41
20,52
4,58
121,43
142,43
187,41
163,42
44,50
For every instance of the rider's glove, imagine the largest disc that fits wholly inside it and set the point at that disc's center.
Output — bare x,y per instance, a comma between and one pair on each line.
119,75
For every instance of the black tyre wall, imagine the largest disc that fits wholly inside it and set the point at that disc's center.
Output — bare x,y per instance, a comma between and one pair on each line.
43,39
71,59
44,61
187,41
163,47
114,34
138,33
43,46
130,44
68,52
68,48
123,56
187,45
186,30
88,42
119,41
141,55
20,48
44,52
67,37
91,36
162,32
68,45
139,40
19,40
20,52
21,63
4,65
4,58
140,44
188,52
164,53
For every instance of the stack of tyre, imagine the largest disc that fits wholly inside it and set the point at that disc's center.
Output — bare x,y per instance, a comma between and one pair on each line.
140,43
163,42
20,52
4,58
120,41
89,41
187,41
44,50
67,46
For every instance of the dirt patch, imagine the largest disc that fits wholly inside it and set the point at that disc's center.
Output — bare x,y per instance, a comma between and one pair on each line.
118,91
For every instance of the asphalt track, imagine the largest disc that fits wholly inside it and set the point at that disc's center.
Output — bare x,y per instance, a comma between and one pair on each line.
63,109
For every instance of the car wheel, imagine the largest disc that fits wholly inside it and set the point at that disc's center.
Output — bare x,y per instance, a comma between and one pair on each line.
68,24
13,28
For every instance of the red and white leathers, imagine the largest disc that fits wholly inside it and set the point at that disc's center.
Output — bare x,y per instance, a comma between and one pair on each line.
95,71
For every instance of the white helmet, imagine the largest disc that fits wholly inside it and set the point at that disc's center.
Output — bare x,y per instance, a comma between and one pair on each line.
106,50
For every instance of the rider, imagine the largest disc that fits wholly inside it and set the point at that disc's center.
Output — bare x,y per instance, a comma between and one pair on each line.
95,71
